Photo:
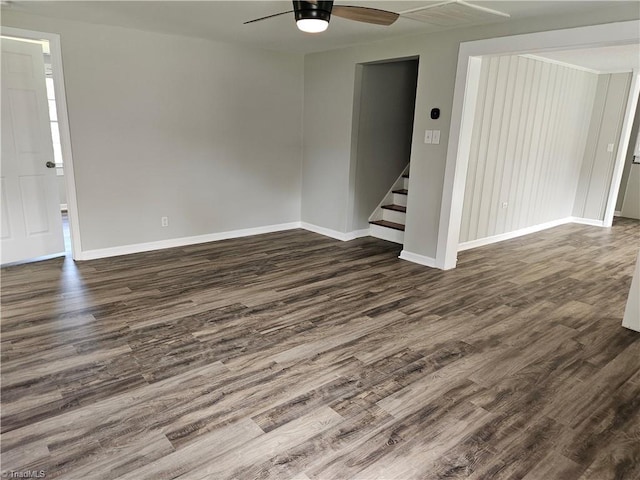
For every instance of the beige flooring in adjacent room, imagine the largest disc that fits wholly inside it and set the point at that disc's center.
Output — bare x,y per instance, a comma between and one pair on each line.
295,356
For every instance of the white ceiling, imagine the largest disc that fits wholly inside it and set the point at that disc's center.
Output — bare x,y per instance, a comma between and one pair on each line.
223,20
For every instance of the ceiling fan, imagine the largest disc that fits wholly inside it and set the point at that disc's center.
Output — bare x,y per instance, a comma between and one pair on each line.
312,16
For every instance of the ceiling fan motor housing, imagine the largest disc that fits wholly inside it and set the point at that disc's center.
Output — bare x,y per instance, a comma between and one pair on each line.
306,10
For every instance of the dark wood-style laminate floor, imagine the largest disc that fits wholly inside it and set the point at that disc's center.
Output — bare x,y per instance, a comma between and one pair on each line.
294,356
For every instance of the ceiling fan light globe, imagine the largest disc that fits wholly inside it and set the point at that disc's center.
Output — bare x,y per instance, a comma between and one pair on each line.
312,25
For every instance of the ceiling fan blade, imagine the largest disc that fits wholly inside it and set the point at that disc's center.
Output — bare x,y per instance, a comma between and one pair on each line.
268,16
365,14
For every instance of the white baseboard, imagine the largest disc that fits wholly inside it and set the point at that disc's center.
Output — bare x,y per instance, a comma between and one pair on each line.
182,242
588,221
365,232
480,242
327,232
419,259
343,236
617,213
214,237
526,231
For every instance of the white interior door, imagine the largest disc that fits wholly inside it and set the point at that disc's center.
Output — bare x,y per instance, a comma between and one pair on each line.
30,215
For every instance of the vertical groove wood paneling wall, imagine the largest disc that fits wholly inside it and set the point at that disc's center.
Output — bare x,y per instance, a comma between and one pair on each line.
528,143
606,126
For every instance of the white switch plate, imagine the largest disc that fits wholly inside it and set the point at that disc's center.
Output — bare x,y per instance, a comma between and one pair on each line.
610,147
428,136
436,137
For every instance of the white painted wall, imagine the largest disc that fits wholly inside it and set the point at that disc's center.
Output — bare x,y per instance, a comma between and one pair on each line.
328,114
208,134
527,145
605,128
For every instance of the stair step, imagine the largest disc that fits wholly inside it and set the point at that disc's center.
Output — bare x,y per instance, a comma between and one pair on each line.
395,208
402,191
386,223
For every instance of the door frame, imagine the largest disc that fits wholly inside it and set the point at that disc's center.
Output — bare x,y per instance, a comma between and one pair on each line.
63,125
463,110
355,126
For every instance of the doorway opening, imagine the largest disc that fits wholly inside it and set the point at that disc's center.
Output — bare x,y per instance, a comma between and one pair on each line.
463,114
628,202
544,141
383,117
60,136
58,157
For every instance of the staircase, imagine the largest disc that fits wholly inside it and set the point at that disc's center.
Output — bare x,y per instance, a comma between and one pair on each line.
388,219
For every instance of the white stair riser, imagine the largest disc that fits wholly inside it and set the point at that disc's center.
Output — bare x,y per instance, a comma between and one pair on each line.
393,216
405,183
399,199
389,234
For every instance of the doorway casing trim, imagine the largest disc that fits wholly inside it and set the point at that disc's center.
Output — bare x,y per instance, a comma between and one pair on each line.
63,125
463,110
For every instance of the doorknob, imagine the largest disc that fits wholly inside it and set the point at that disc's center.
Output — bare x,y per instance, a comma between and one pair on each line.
50,165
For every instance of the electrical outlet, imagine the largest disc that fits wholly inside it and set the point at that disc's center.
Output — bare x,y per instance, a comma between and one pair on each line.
610,147
505,204
164,221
